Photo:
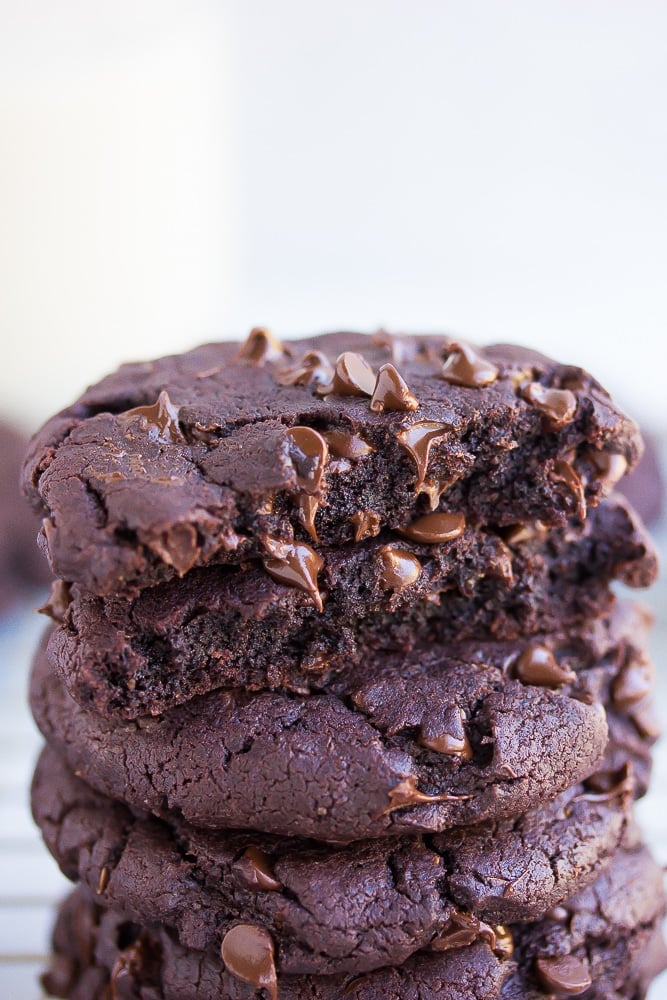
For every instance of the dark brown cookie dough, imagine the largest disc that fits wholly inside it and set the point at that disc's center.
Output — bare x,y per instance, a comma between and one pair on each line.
607,942
418,742
235,450
328,910
237,627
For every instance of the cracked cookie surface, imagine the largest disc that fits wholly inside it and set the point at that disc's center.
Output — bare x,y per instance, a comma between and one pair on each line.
200,458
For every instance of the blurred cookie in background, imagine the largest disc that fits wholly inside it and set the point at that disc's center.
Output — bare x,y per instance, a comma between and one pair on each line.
645,485
22,566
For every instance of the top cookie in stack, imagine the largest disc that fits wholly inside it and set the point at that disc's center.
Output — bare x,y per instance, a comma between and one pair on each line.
356,590
221,455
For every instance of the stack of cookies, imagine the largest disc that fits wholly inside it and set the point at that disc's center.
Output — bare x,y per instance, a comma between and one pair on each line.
338,700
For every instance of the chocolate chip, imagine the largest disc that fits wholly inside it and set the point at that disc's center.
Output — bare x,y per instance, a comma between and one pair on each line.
161,415
344,444
632,684
308,507
59,600
366,523
248,953
400,569
460,931
295,564
563,472
557,405
564,974
103,880
178,546
128,965
531,532
261,346
446,743
418,438
406,793
313,369
611,467
464,366
309,452
391,392
400,349
538,665
353,376
255,869
434,528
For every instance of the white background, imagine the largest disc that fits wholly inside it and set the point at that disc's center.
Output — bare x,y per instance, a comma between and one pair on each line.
178,171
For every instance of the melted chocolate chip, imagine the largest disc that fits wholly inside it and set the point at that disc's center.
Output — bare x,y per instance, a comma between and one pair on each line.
446,734
564,975
563,472
179,546
531,532
391,392
128,965
418,439
462,929
295,564
448,744
464,366
353,376
308,507
435,528
59,600
610,467
344,444
261,346
313,369
632,684
459,932
558,406
248,953
103,880
161,415
400,569
366,523
407,794
538,665
400,349
255,869
309,452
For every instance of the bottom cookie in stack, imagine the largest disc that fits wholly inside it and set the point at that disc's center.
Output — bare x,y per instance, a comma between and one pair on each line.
604,944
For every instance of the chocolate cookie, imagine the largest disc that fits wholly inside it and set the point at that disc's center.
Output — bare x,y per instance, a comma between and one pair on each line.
328,910
21,566
258,449
605,944
237,627
420,742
